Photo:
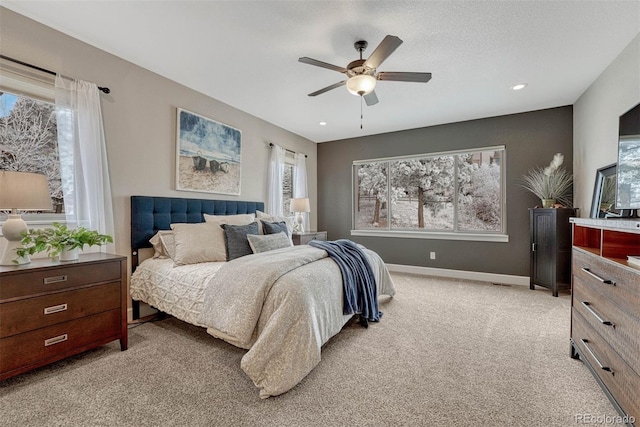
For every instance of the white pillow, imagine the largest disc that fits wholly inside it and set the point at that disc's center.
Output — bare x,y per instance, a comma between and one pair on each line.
168,241
268,242
200,242
289,220
160,250
241,219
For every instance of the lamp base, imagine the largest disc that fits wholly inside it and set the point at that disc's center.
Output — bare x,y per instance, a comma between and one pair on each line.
300,221
12,230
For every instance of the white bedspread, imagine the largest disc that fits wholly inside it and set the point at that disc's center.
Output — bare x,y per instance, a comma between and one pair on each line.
288,321
178,291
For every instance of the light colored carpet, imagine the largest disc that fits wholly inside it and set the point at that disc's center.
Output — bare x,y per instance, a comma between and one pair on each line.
446,353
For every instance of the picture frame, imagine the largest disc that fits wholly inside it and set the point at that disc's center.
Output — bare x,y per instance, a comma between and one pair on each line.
208,155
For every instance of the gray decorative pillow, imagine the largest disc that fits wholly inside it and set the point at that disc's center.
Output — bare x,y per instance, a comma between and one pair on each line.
274,227
235,237
268,242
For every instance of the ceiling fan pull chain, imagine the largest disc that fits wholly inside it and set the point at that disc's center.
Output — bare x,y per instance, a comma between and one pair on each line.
361,115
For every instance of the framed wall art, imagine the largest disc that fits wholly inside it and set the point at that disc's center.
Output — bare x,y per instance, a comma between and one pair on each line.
208,155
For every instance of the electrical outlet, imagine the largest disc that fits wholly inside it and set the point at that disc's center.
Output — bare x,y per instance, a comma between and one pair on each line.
432,255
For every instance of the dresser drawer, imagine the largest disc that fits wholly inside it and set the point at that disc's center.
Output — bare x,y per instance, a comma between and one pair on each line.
618,328
34,313
68,275
58,341
624,291
621,380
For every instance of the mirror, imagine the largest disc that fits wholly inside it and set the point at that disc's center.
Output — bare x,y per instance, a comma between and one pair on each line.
603,203
628,190
604,193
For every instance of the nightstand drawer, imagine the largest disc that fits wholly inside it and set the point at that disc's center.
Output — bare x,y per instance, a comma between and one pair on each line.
68,275
58,341
34,313
305,238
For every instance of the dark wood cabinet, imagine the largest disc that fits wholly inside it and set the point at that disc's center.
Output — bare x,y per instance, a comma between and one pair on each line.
50,310
550,239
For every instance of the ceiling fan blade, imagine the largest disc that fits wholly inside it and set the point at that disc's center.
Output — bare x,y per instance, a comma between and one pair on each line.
382,52
404,77
371,98
328,88
317,63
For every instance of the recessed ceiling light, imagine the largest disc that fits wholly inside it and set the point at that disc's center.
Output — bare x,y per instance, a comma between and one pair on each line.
519,86
323,123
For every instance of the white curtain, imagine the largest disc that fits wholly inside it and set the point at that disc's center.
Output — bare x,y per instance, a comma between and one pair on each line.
300,183
83,158
276,175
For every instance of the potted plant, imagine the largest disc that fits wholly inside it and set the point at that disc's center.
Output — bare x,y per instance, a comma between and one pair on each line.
60,241
552,184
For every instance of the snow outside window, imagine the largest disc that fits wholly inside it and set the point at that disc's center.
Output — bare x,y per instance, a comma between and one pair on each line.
29,143
457,195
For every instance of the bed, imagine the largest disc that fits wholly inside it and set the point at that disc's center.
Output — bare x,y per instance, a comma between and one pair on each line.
281,304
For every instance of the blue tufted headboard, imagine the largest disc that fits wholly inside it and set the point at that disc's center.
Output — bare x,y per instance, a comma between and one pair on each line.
150,214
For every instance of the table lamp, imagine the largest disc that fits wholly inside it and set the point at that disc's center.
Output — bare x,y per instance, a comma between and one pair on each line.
299,206
20,191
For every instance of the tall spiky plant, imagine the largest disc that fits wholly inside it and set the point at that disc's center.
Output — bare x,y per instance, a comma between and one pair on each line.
551,182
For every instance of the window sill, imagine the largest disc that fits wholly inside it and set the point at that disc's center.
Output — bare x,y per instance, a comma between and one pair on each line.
438,235
38,220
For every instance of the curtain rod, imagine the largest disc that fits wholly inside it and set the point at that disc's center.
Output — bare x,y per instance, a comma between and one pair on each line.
44,70
291,151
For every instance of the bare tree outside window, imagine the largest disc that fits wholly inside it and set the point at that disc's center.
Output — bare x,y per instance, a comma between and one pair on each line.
28,140
453,192
287,188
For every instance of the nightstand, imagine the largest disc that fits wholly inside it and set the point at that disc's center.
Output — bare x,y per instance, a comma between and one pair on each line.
307,236
50,310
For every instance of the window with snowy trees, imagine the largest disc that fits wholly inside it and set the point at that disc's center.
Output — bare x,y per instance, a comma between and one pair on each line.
458,192
28,140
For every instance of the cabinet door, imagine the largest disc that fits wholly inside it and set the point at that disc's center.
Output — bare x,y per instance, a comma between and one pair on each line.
543,248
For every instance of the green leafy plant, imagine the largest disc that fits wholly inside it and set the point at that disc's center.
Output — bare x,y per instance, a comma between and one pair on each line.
552,182
60,237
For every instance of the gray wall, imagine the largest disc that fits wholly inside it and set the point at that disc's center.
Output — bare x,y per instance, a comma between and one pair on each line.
595,120
531,139
140,120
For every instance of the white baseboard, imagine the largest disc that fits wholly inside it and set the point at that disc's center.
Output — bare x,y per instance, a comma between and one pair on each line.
506,279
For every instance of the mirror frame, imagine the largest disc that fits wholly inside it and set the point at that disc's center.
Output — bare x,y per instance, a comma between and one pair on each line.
601,175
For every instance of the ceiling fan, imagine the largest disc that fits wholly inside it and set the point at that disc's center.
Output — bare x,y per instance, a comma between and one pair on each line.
363,73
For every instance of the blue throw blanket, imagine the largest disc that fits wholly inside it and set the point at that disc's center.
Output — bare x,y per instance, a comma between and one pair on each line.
359,283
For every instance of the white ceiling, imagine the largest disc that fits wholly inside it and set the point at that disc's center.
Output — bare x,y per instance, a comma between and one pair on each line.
245,53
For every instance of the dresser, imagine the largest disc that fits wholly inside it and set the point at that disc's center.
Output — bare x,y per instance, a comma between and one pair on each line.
605,308
307,236
50,310
550,256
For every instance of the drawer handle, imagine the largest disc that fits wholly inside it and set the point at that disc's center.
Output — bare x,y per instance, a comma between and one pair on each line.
55,308
600,365
587,305
55,340
56,279
598,278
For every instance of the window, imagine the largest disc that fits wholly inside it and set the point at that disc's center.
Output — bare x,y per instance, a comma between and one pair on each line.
28,132
287,183
458,195
28,140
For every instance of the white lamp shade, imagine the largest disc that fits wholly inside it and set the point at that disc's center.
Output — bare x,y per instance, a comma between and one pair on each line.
300,205
361,85
24,191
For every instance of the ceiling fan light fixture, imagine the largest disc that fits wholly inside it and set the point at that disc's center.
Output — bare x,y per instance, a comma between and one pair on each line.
361,85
